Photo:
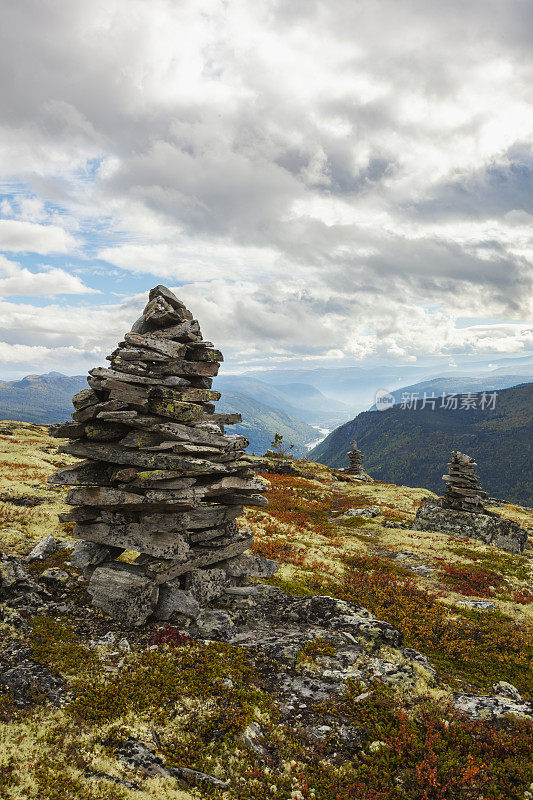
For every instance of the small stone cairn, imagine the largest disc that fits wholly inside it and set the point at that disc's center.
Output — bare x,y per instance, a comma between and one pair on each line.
355,468
354,457
461,510
463,489
159,476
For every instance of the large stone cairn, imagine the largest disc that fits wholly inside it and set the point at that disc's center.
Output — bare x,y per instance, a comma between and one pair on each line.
461,512
159,476
463,489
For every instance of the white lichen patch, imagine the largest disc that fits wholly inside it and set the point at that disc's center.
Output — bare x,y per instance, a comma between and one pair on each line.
32,746
27,458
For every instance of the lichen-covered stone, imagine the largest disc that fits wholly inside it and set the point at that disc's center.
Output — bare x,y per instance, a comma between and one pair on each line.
365,511
174,600
507,690
127,597
486,526
46,547
492,709
87,554
250,567
206,584
360,647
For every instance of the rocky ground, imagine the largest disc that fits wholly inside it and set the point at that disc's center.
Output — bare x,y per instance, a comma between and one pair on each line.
380,662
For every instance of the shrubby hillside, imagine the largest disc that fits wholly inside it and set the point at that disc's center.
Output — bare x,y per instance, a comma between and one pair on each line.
41,399
436,387
261,422
81,696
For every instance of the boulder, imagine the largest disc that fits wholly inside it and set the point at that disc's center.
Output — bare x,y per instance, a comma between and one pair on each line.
172,600
126,596
485,526
206,584
367,511
249,566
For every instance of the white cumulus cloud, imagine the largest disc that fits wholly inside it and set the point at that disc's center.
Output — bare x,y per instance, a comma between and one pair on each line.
31,237
18,280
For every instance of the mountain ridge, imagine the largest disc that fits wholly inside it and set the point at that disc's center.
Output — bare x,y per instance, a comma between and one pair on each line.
459,385
47,399
416,444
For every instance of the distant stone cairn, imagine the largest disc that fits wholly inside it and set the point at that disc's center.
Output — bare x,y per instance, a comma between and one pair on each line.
463,489
355,458
461,510
159,477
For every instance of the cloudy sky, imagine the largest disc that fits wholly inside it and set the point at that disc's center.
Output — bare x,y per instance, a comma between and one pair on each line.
323,182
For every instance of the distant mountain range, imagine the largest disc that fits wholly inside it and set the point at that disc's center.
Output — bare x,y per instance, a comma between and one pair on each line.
294,408
43,399
300,400
260,422
288,409
356,386
438,387
412,447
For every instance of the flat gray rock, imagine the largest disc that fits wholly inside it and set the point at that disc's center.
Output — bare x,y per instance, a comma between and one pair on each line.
126,597
46,547
487,527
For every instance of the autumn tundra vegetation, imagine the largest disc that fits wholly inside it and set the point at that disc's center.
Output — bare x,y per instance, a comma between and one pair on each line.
211,708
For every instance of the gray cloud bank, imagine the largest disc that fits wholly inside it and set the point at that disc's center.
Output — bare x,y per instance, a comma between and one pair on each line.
322,179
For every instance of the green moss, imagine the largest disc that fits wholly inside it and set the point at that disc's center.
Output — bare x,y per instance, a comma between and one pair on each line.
8,710
354,522
315,649
55,783
156,681
55,643
299,586
364,537
8,775
59,559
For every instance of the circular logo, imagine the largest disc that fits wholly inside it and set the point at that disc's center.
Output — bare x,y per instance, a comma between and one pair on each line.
384,400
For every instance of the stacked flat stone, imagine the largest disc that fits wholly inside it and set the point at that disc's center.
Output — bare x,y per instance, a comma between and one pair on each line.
461,512
159,476
463,489
355,458
356,468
